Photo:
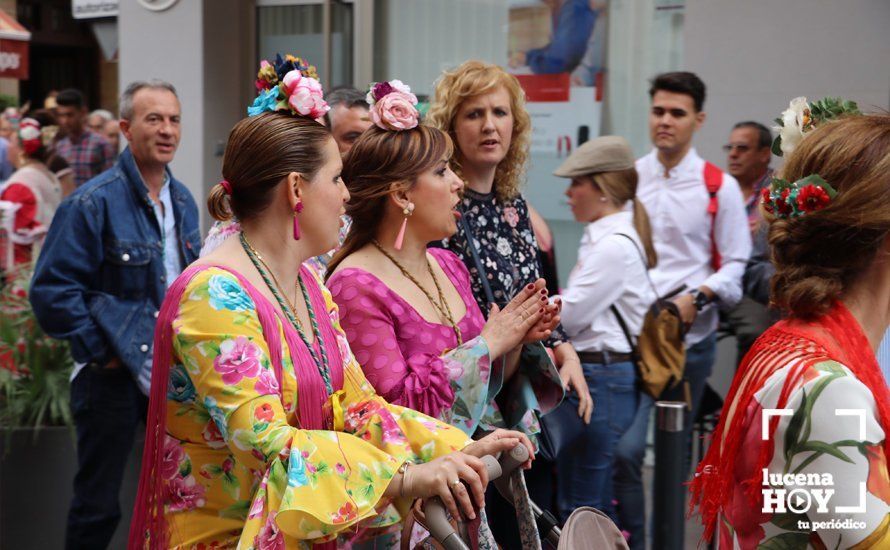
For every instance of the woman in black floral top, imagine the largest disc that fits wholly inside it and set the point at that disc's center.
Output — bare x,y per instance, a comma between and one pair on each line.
483,110
506,246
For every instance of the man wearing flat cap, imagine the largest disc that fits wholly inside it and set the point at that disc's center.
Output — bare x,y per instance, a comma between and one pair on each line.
608,281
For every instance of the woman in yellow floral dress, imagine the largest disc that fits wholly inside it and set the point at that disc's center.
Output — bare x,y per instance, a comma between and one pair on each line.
263,433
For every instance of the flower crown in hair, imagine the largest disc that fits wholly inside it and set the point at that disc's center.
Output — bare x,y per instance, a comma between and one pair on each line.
291,84
812,193
393,106
33,136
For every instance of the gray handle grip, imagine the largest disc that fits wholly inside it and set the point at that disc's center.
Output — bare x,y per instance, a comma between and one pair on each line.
510,461
434,508
437,518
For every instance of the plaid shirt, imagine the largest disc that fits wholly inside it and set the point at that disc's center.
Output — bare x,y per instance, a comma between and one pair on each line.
753,202
89,155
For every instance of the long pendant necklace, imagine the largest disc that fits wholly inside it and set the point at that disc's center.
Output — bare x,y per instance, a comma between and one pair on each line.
441,306
290,311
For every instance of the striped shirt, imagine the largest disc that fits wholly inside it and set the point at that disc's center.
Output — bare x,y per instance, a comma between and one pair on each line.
89,155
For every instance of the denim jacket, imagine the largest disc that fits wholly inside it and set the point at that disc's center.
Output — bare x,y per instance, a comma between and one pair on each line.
100,280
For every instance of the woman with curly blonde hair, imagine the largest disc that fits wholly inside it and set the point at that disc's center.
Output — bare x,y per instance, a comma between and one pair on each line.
482,108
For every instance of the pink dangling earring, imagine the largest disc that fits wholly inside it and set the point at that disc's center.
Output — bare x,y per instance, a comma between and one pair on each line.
297,209
400,238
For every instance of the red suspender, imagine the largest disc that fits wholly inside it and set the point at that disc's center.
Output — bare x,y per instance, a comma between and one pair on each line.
713,180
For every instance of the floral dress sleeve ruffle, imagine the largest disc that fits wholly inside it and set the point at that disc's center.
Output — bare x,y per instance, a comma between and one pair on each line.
312,484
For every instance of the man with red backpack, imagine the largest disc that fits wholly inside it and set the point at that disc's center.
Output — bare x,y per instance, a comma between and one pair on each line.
700,233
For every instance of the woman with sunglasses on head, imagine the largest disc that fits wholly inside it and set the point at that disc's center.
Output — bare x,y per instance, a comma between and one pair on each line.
262,430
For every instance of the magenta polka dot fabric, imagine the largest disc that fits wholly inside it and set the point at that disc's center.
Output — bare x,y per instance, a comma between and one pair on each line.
404,356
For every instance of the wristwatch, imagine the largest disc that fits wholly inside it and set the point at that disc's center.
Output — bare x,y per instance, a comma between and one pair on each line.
700,299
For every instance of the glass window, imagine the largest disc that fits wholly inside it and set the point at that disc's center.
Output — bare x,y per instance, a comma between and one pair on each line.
585,66
299,29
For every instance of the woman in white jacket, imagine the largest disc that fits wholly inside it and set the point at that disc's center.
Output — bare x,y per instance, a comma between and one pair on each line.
609,281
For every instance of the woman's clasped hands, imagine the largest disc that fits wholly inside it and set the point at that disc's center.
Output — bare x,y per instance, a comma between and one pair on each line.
528,317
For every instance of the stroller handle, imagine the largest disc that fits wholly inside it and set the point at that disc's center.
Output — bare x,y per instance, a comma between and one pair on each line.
498,472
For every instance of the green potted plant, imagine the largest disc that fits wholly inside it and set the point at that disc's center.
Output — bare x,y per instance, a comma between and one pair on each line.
37,447
34,368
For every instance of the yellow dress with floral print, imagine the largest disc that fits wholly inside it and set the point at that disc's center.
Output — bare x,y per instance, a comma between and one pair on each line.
240,472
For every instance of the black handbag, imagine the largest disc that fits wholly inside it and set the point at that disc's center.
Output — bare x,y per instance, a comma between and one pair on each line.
561,426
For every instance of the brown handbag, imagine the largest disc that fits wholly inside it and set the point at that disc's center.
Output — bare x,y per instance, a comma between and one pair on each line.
659,351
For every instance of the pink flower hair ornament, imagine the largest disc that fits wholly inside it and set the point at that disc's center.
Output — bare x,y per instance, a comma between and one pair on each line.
291,84
393,106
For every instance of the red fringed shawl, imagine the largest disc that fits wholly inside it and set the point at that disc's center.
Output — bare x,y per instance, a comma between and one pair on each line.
835,336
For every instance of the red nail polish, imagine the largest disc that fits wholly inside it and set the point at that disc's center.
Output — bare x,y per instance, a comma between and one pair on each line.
530,286
543,298
541,310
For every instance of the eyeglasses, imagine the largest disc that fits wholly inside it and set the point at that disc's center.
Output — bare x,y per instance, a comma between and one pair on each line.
741,148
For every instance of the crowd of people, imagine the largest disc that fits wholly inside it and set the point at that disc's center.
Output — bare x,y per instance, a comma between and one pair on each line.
45,154
371,315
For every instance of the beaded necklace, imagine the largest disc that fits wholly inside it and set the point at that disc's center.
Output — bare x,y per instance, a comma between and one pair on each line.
441,306
289,310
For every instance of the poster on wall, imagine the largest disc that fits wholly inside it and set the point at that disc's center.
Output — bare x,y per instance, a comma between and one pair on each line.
556,48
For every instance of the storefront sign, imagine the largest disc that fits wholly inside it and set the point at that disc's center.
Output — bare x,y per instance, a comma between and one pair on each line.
90,9
14,59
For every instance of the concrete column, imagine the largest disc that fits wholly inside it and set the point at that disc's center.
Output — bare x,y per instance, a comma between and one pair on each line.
205,49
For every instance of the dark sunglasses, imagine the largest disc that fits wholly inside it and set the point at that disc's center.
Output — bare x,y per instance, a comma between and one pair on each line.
740,148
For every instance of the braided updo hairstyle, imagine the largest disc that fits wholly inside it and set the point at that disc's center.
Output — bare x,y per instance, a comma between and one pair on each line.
820,254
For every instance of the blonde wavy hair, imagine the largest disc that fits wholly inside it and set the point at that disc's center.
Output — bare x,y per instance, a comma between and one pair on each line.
472,79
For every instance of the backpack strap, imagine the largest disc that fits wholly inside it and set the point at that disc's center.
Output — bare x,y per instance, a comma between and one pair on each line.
614,309
642,259
713,177
625,330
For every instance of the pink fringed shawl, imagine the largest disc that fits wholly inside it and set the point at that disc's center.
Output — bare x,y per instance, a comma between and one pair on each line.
149,526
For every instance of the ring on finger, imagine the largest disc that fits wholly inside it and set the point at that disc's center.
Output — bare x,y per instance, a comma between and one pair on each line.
454,484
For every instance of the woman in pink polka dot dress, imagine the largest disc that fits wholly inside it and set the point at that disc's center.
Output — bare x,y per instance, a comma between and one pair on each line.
408,312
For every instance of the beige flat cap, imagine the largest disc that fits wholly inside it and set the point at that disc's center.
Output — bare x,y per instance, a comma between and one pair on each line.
602,154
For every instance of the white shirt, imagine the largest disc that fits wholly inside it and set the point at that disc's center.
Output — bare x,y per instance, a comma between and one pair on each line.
163,210
681,229
609,271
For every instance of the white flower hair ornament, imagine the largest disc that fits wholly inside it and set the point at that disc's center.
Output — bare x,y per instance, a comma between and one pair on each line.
802,116
393,106
785,199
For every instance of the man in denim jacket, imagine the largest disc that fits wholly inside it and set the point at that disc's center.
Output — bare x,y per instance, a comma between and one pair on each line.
113,248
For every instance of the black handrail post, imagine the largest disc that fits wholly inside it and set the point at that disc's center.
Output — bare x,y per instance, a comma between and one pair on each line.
670,491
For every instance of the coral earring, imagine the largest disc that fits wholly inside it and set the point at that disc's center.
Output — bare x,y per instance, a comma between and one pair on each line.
400,238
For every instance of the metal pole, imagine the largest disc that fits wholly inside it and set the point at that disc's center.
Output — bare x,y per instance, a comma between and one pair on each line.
670,458
327,57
